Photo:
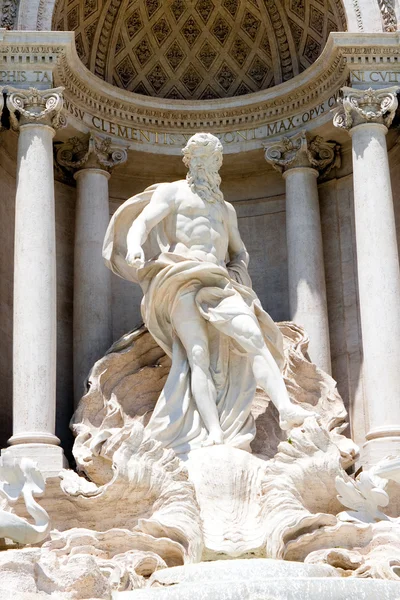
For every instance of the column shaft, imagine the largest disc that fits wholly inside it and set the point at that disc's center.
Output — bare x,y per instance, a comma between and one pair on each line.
34,353
301,159
92,281
379,287
307,291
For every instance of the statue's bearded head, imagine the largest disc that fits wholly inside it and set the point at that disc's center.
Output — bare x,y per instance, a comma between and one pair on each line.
202,155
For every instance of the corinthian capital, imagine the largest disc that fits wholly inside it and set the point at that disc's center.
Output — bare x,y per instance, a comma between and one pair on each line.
303,151
366,106
36,106
90,152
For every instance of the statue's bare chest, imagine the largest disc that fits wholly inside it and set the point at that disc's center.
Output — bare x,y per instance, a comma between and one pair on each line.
193,207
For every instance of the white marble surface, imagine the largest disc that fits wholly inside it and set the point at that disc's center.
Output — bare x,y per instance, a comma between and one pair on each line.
307,290
198,304
92,281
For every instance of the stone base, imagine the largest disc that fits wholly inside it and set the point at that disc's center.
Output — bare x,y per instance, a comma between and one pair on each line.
49,458
259,579
377,449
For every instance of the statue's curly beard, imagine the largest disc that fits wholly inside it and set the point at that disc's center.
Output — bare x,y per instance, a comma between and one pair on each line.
204,180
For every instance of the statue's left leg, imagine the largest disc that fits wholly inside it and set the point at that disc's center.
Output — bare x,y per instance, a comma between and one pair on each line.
248,334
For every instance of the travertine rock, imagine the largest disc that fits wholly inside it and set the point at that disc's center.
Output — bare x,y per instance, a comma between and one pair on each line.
135,515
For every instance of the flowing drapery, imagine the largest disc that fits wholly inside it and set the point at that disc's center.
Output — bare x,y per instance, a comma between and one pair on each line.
219,293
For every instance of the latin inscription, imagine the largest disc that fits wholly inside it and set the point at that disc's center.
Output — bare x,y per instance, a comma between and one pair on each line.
141,136
380,77
29,76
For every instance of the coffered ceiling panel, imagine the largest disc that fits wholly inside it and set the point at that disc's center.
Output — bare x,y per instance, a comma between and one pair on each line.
198,49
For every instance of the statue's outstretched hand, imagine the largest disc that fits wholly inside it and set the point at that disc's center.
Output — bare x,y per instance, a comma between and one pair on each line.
135,257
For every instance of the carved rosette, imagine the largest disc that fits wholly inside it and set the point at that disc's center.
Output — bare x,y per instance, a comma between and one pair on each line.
36,106
302,151
90,152
366,106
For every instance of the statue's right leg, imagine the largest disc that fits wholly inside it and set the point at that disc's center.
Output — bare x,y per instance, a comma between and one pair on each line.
191,329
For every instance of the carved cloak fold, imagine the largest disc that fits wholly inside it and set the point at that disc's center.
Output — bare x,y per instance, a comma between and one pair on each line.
220,295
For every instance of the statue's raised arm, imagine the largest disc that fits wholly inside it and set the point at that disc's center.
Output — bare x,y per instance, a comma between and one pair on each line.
159,207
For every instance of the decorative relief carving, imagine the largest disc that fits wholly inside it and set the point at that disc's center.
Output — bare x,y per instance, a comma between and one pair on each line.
240,51
221,30
178,7
207,55
134,24
366,106
90,152
301,151
36,106
161,30
191,79
175,55
316,20
126,71
283,45
191,31
9,14
312,49
143,51
152,7
225,77
389,19
157,77
204,9
231,6
105,38
250,25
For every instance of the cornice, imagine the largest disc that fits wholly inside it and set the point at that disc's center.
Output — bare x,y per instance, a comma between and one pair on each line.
343,54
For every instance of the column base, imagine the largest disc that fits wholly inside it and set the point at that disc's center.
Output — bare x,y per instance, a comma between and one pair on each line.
49,458
34,438
377,449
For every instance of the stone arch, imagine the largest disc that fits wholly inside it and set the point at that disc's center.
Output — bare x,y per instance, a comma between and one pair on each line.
198,49
360,15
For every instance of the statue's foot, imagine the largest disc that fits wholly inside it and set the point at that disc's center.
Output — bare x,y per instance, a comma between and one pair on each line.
294,416
214,438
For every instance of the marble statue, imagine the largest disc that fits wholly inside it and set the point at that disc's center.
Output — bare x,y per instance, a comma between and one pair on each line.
200,307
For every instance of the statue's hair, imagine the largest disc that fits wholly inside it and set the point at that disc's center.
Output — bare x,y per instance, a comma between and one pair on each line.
201,145
203,157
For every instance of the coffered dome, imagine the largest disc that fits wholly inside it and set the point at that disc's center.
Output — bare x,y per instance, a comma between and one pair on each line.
198,49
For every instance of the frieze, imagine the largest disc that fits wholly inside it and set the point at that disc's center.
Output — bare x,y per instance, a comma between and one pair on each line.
142,136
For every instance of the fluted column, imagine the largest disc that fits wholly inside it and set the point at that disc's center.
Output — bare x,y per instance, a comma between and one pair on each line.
366,115
91,159
36,114
300,160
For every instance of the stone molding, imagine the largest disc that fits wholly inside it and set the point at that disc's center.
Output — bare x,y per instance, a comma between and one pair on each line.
300,150
36,106
366,106
388,13
90,152
50,58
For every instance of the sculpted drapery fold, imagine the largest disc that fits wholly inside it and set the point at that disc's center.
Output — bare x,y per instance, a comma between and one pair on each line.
164,278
